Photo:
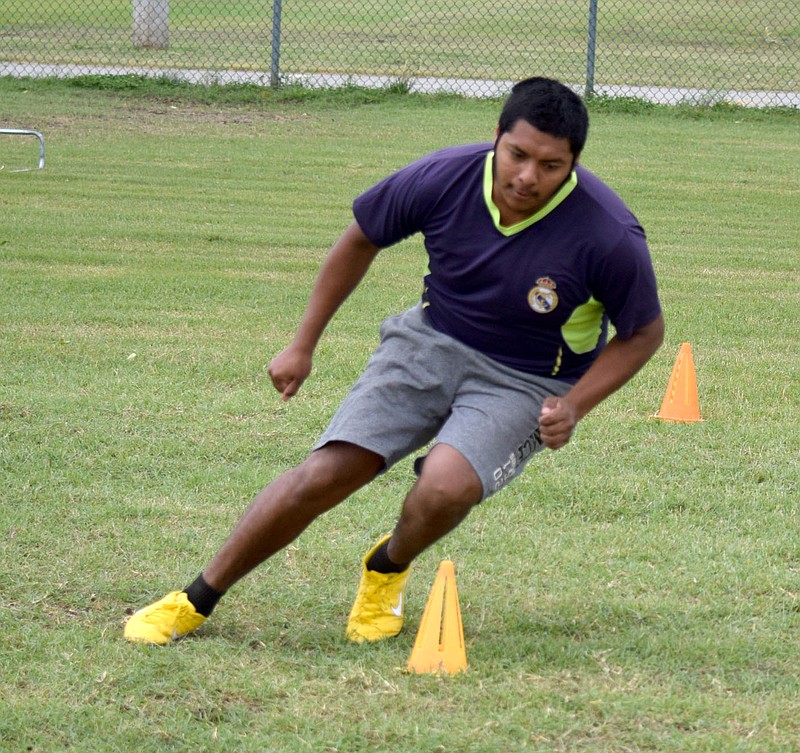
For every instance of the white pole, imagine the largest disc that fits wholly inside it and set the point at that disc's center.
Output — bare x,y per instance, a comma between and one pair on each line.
151,23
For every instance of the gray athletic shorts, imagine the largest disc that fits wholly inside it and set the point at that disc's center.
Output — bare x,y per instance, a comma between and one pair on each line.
421,385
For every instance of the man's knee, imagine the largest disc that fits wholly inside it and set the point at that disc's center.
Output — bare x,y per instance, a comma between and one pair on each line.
337,465
448,482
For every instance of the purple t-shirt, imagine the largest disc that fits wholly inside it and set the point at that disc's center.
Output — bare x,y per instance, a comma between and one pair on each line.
538,296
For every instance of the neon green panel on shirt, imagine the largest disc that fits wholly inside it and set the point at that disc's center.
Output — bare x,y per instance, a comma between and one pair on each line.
581,332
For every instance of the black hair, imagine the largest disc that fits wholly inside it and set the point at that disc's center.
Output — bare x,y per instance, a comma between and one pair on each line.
548,106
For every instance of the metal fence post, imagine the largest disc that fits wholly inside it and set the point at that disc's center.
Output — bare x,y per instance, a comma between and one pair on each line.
590,50
275,66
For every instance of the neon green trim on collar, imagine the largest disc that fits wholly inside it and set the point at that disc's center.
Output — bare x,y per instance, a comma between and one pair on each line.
557,198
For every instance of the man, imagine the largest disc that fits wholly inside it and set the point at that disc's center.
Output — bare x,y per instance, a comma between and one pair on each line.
530,258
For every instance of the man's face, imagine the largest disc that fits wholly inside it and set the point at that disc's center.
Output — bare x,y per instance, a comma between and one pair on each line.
529,167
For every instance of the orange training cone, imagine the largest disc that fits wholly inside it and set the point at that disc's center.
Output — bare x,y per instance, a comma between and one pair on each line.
439,646
680,401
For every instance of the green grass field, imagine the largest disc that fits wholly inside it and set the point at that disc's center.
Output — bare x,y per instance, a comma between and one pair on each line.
635,591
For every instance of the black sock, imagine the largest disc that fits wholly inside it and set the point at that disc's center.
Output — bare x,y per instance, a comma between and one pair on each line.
203,597
379,562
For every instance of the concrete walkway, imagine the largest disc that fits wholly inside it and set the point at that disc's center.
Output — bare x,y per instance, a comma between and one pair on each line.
466,87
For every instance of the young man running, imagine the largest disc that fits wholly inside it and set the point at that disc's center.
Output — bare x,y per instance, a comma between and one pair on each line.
530,258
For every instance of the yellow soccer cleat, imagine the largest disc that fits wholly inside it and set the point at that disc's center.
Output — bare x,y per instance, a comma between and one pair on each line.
163,621
377,612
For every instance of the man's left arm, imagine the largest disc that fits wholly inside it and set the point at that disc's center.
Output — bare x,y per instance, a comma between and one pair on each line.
615,366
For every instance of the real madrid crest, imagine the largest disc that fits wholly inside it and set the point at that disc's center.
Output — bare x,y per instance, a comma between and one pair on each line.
543,298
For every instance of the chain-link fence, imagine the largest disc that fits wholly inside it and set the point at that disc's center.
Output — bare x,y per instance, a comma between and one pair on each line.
700,51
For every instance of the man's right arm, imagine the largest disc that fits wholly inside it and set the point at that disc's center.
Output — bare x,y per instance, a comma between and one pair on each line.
343,268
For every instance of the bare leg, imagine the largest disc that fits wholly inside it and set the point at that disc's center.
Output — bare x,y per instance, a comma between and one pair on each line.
447,489
281,511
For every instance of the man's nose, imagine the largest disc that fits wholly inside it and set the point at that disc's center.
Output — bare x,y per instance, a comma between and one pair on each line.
530,173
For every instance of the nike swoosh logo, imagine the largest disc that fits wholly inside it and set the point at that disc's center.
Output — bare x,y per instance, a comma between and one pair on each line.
398,610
